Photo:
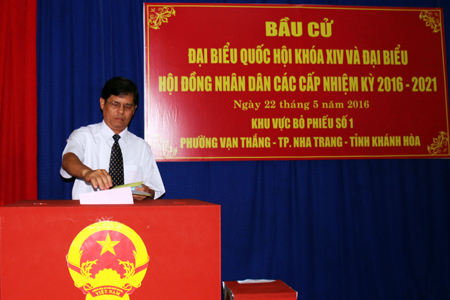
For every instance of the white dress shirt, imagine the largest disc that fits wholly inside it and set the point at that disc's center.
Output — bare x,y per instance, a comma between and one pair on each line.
92,145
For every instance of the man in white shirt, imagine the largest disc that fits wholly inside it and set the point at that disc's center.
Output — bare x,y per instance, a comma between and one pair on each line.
88,149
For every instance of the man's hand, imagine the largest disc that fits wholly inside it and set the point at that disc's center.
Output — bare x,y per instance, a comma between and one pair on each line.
144,188
98,178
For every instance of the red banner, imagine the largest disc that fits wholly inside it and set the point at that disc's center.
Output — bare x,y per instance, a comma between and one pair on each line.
267,82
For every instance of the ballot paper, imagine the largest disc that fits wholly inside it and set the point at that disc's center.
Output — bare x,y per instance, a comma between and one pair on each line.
248,281
112,196
133,186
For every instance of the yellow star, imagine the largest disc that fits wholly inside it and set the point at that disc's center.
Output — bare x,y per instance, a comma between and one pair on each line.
108,245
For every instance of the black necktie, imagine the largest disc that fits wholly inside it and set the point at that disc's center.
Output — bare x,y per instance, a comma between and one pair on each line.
116,162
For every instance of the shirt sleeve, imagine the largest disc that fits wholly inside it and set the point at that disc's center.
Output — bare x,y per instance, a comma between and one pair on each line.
75,144
152,177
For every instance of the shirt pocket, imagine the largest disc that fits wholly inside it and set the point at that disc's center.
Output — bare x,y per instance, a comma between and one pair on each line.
133,173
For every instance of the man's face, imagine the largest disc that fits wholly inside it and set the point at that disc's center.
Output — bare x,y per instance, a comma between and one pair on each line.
116,116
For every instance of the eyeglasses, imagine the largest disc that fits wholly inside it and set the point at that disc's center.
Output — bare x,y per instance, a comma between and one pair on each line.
117,105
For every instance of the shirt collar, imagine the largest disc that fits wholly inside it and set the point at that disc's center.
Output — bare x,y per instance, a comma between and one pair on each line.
108,134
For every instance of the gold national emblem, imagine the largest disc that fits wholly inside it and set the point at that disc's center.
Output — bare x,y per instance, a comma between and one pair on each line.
107,260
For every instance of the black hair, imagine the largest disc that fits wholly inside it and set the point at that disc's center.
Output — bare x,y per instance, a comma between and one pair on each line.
120,86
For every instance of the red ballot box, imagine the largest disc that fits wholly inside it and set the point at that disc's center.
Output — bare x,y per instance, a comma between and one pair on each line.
160,249
272,290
